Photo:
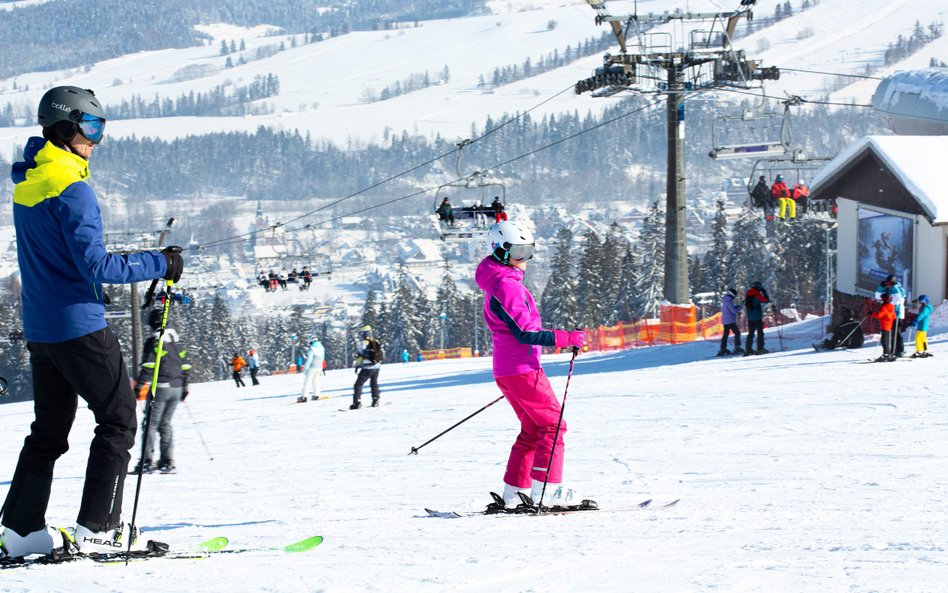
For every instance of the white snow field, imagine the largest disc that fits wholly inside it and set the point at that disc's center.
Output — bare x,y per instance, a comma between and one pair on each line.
797,472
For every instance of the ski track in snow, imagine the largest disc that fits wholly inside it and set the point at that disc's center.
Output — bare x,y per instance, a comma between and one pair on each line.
797,472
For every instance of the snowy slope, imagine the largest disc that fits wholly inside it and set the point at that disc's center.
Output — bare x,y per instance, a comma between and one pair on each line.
322,84
798,472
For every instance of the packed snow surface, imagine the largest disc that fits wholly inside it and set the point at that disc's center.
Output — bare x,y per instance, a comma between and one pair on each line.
797,472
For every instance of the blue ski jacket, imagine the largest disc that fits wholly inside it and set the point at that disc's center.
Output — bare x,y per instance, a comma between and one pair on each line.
63,261
923,317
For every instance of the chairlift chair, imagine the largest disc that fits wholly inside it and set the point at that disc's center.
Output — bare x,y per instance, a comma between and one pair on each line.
471,210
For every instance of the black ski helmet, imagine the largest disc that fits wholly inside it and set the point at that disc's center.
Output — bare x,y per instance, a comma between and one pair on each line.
61,103
154,318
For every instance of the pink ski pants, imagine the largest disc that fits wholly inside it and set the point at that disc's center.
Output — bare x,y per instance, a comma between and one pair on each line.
535,404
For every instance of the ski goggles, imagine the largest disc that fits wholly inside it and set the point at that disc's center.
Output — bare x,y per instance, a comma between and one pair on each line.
521,252
92,127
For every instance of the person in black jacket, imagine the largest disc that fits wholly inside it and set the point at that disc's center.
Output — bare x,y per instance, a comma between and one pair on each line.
368,362
172,387
847,334
754,302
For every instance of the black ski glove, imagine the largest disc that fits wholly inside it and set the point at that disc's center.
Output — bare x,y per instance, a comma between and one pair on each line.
175,263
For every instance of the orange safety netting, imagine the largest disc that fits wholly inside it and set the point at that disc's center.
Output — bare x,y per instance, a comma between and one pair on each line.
446,353
676,325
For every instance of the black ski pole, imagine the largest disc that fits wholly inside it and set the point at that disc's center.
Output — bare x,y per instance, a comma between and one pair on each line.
414,450
559,423
191,416
149,402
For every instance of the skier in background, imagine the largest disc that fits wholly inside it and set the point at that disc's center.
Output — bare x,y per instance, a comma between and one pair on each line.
237,363
729,313
368,363
63,264
754,301
847,334
518,336
920,323
253,363
172,387
887,320
314,368
893,288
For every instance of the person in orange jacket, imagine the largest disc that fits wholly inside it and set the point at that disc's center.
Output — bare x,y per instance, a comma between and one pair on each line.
781,194
801,194
237,363
886,316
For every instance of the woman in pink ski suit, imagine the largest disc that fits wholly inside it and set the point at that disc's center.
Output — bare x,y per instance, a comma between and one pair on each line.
518,336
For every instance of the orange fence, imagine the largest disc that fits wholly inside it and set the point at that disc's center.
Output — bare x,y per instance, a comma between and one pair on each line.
676,325
446,353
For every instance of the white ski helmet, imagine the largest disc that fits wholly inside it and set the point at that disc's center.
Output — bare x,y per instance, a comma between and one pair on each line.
511,240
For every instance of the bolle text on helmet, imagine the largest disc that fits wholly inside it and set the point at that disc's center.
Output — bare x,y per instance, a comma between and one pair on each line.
60,106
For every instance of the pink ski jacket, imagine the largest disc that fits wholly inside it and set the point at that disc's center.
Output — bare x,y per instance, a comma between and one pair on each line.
512,318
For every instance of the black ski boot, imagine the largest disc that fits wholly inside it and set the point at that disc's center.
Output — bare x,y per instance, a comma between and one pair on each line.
375,402
355,406
724,352
301,399
142,468
166,466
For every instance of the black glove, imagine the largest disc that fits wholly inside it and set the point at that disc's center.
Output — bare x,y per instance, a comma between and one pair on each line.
175,263
184,394
138,388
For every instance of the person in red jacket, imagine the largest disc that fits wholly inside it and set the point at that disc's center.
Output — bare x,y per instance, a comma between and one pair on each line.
781,194
886,316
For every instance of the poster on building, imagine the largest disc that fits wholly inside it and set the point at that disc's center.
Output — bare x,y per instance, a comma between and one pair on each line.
885,247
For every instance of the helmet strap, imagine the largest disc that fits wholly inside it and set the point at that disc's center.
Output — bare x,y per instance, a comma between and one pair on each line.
502,255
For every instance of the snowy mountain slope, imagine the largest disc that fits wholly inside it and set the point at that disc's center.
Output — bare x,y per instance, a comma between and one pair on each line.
323,84
799,472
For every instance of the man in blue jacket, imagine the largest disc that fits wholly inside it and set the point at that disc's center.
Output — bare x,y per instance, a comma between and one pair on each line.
63,265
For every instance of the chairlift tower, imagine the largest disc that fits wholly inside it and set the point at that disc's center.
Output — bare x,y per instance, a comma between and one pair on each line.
658,62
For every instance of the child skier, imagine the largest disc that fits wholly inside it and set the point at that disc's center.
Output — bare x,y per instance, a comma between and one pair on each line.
514,322
314,368
886,316
921,327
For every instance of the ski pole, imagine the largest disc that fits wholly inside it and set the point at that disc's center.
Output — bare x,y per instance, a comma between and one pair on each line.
196,429
414,450
150,293
149,402
559,423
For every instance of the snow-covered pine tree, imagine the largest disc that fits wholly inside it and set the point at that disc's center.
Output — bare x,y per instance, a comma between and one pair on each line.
716,258
749,256
651,280
611,269
448,301
558,304
589,281
403,324
624,304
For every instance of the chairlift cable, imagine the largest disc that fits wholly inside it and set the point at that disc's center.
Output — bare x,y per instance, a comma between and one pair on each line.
238,238
228,240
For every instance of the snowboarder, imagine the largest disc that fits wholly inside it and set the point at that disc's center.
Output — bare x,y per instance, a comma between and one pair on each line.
253,363
518,336
893,288
847,334
729,313
920,323
172,387
887,320
72,350
754,301
314,368
368,362
237,363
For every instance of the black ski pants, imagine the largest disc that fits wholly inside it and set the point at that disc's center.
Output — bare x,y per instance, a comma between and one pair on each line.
91,367
238,380
732,328
253,375
752,327
371,375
